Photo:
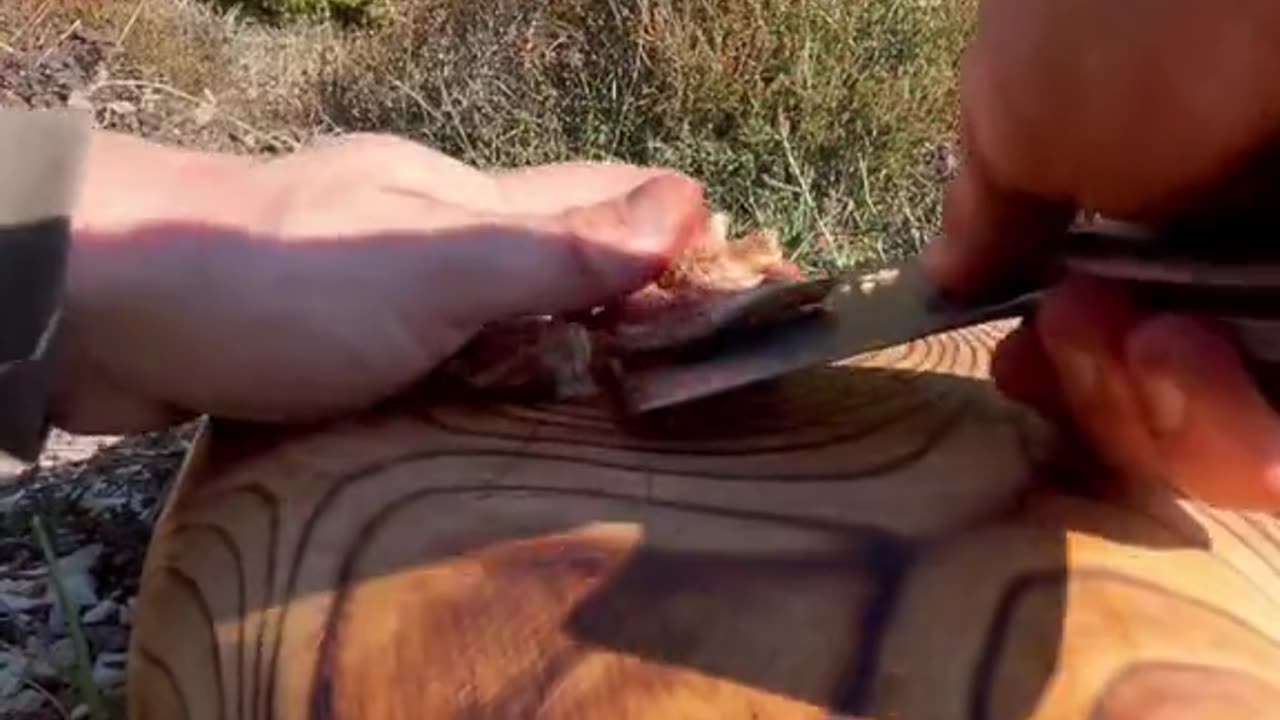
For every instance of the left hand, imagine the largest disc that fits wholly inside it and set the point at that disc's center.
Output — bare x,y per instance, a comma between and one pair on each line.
327,280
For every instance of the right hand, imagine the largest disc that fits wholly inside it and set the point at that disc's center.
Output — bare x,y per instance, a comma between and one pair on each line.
1136,110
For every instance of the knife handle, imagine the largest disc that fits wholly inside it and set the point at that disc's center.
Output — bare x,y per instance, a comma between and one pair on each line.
1231,279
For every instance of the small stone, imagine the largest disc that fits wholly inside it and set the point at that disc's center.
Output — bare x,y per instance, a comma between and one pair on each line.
57,621
38,664
25,588
79,100
14,662
97,505
81,590
100,613
80,561
40,670
19,604
27,701
107,638
10,470
204,113
11,498
34,648
62,655
122,107
109,670
10,681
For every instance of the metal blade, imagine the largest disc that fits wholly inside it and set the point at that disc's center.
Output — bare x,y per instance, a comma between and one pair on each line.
862,313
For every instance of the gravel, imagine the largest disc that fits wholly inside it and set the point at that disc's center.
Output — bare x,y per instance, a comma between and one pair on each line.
98,498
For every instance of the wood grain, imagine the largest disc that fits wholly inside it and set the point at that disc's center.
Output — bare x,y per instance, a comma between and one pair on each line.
887,539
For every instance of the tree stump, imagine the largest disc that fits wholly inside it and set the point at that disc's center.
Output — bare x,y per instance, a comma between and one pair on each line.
888,538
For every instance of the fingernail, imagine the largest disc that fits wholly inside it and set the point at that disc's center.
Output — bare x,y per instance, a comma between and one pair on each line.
1162,355
1164,402
1078,371
1157,353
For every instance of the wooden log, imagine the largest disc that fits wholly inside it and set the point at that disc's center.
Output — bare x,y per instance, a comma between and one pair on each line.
886,539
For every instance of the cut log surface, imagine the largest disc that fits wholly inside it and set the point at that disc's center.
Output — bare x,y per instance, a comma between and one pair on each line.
888,538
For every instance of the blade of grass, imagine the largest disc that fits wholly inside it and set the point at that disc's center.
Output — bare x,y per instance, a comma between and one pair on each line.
48,697
85,685
827,239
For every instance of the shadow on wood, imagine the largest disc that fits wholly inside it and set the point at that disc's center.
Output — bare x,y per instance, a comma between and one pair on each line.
889,540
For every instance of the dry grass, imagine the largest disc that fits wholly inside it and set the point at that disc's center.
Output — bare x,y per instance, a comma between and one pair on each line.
827,119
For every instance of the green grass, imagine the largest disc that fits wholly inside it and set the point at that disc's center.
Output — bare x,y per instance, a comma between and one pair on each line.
823,119
86,689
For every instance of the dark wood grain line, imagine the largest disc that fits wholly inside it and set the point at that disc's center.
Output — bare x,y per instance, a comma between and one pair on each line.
343,483
853,405
960,355
919,355
910,408
999,629
224,540
1215,516
919,358
262,704
323,700
877,547
271,506
549,417
895,355
942,348
585,409
810,406
990,336
975,349
938,407
337,489
973,352
754,433
948,353
1180,533
855,693
155,661
346,481
1270,540
191,588
1266,523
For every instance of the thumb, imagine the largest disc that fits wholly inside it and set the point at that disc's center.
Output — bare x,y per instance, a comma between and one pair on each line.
585,256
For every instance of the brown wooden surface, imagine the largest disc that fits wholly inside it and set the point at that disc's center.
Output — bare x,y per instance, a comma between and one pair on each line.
888,540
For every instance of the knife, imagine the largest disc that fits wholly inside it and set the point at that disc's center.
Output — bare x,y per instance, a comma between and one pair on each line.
1236,283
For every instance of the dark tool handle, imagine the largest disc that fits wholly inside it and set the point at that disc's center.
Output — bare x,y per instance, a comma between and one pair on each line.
1231,279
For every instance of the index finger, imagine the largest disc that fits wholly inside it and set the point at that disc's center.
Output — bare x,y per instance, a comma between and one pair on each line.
989,232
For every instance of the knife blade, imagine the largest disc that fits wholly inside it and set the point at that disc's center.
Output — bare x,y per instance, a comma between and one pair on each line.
859,314
870,311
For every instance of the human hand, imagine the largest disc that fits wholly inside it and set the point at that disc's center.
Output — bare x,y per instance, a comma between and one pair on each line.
327,280
1138,111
